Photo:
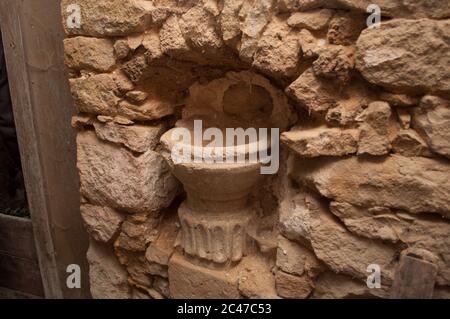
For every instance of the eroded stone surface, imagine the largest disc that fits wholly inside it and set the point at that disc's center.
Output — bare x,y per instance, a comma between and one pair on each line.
419,233
278,50
376,131
415,184
96,94
293,287
89,54
108,279
335,286
102,223
106,17
311,20
137,138
190,281
321,141
432,119
114,177
409,143
406,55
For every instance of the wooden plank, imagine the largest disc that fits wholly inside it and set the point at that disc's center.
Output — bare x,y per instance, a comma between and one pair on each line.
32,34
414,279
21,275
16,237
6,293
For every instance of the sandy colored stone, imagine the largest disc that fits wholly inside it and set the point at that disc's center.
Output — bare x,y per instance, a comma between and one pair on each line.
436,9
102,223
314,94
432,120
220,102
89,54
188,281
161,285
347,112
335,63
278,50
287,5
122,120
121,49
424,235
229,21
311,20
152,46
95,94
137,69
134,262
152,109
198,27
295,259
409,143
123,83
375,131
137,232
404,117
137,97
293,287
336,286
344,252
255,16
295,219
108,279
321,141
396,99
107,17
161,249
138,138
414,184
345,27
406,56
256,280
173,42
310,45
82,120
114,177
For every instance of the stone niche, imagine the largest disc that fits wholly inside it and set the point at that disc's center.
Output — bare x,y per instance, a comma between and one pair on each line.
363,116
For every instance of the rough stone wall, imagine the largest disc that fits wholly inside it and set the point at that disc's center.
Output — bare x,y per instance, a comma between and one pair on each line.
365,170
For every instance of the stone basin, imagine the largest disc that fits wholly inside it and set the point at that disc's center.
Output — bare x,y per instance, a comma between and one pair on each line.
216,213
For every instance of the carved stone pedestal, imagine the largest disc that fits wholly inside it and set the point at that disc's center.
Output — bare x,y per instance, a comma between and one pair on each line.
215,216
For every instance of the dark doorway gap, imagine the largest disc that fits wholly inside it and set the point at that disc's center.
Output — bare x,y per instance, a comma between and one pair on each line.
13,199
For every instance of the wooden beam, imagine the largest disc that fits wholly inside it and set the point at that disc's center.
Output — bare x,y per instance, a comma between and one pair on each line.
19,268
32,35
16,237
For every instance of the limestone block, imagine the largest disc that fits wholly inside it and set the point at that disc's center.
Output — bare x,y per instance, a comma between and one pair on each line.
102,223
188,281
321,141
108,279
406,56
138,138
432,119
105,17
114,177
83,53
